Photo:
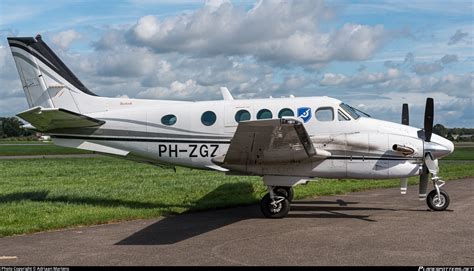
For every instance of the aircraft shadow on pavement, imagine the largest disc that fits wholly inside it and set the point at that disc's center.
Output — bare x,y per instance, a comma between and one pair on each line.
173,229
330,209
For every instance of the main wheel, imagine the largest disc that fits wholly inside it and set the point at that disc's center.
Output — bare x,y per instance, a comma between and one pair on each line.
438,203
279,209
286,191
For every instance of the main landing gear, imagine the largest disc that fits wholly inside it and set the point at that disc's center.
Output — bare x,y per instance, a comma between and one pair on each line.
437,199
276,203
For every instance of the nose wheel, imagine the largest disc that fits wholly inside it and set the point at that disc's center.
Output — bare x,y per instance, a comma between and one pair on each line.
437,199
276,203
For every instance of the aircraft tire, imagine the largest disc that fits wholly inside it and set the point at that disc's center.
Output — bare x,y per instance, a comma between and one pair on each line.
269,211
436,204
286,191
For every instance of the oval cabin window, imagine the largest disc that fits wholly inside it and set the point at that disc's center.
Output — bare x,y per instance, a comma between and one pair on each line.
242,115
264,114
169,119
286,112
208,118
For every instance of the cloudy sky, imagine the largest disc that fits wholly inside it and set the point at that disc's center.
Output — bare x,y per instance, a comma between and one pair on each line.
374,55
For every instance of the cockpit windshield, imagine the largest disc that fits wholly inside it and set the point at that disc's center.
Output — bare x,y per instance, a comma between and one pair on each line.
352,111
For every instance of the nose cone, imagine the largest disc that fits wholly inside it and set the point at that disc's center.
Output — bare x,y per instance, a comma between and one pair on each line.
439,146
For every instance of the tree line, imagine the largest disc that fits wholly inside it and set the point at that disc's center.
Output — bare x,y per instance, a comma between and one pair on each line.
11,127
454,134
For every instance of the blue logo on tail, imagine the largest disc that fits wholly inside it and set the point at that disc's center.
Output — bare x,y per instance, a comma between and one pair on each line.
304,113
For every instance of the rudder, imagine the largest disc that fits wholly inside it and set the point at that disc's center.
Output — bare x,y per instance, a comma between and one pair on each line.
46,80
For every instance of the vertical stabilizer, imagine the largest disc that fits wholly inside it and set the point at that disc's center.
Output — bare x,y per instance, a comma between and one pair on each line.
46,80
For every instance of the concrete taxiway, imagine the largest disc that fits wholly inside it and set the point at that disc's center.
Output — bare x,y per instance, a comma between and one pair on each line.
377,227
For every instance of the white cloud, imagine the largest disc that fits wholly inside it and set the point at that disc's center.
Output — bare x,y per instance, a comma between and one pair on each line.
331,79
65,38
360,79
276,31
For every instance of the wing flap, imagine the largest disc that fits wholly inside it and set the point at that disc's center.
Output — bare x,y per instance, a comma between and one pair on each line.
270,142
45,119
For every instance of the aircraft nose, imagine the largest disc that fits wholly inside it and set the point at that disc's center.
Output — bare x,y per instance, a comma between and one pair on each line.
439,146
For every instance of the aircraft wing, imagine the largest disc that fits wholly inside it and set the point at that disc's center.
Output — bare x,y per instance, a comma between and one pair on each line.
45,119
270,142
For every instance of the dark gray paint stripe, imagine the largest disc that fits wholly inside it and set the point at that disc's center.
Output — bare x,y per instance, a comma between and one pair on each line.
128,133
374,158
27,60
336,153
41,69
31,50
63,71
131,139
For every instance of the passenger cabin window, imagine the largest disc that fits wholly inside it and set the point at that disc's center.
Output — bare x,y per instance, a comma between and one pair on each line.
208,118
325,114
242,115
341,116
264,114
286,112
169,120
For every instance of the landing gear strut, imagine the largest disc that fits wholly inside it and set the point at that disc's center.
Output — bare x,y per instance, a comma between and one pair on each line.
287,191
276,203
437,200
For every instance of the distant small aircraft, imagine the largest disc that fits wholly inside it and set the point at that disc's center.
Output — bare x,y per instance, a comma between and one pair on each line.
287,141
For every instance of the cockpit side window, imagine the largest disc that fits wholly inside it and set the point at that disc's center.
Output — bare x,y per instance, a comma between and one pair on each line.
349,110
341,116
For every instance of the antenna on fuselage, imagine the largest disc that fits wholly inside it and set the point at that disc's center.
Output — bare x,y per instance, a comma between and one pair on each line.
226,94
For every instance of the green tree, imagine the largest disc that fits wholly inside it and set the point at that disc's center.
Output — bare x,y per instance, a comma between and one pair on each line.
439,129
11,127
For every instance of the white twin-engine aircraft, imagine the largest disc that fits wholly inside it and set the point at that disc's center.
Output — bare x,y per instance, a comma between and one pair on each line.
287,141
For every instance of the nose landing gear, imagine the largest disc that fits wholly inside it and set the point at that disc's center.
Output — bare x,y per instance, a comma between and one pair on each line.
437,200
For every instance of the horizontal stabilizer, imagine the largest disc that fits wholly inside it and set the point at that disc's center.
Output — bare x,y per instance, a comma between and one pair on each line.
46,119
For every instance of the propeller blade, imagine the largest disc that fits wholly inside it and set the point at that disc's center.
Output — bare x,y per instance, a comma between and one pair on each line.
403,185
423,187
429,112
405,115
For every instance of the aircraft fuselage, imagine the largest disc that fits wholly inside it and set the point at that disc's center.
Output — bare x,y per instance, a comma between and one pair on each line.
360,148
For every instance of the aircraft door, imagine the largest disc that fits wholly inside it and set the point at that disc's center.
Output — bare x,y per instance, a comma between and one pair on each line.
357,150
378,148
233,113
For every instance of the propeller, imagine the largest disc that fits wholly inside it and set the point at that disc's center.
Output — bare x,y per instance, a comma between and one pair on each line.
405,115
430,165
429,112
405,121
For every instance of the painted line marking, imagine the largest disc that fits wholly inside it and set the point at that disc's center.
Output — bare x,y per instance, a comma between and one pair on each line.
8,257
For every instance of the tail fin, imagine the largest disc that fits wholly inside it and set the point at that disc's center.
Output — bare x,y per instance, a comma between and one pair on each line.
47,82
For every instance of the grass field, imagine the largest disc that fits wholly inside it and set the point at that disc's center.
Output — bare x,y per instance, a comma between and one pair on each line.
44,194
462,153
11,148
24,142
